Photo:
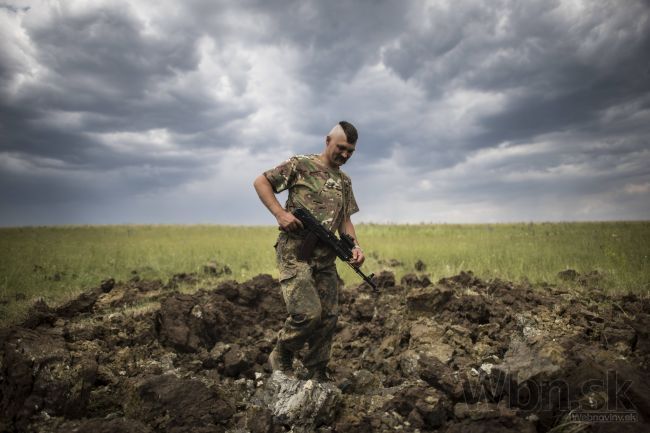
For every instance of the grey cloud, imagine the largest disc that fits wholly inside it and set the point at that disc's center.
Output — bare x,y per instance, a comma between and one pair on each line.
554,73
394,69
101,66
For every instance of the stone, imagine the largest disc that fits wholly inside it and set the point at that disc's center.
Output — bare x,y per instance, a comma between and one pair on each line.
40,374
363,308
494,425
107,285
384,279
179,405
568,275
620,339
83,303
303,405
413,280
188,323
216,269
236,361
101,425
523,362
481,410
258,419
365,382
442,377
229,289
428,299
427,338
421,405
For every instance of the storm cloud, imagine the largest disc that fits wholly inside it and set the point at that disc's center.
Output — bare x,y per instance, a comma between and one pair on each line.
468,111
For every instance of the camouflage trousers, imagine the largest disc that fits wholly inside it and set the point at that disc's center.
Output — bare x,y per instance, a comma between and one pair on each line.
310,292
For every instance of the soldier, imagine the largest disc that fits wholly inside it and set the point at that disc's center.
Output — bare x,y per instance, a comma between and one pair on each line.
310,288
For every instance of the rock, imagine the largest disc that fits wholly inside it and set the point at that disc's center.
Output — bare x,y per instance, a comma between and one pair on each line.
187,322
251,291
215,355
303,405
215,269
229,289
590,279
363,308
384,279
464,279
528,371
81,304
428,300
178,405
354,424
427,339
626,386
473,308
568,275
482,410
423,406
364,382
459,337
621,339
258,420
413,280
102,425
39,313
389,346
495,425
107,285
181,278
236,361
40,374
442,377
540,362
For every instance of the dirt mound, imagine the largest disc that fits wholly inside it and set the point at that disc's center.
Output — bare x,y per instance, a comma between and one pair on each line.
462,354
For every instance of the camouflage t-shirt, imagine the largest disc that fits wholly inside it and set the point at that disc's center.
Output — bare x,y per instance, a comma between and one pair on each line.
325,192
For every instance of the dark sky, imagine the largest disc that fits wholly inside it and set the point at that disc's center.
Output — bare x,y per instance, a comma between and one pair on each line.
468,111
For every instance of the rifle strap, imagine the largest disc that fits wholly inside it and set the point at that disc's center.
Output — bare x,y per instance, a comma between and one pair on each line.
307,246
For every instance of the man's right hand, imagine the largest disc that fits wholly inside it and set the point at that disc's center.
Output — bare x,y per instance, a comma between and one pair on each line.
288,222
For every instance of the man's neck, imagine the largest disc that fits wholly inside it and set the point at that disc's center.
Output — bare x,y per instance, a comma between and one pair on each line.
323,160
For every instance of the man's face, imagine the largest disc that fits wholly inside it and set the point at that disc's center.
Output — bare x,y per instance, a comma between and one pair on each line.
338,150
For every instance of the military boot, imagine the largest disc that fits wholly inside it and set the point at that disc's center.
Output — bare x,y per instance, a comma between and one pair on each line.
281,359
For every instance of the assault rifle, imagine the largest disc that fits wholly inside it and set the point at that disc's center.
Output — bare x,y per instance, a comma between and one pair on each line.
342,247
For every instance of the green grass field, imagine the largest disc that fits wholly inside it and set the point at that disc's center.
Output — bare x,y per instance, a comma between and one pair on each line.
56,263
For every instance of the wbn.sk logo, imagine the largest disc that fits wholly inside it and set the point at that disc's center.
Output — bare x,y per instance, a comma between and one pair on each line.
607,394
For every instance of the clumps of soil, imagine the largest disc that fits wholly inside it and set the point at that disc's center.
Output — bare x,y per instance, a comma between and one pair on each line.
460,355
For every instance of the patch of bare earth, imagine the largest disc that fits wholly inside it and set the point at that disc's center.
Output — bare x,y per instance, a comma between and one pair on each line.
460,355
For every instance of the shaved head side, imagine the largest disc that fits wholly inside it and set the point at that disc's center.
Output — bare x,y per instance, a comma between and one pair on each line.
347,130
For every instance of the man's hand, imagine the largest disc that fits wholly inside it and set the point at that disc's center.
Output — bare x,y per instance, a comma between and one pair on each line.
288,222
357,257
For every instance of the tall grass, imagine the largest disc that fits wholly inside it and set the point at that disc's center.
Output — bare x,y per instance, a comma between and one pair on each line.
56,263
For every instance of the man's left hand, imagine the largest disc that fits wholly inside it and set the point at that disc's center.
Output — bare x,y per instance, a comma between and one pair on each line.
357,257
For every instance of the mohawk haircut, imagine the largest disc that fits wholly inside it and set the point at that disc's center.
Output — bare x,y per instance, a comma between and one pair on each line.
350,131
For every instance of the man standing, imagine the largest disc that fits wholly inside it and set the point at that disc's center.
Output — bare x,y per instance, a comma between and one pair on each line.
310,288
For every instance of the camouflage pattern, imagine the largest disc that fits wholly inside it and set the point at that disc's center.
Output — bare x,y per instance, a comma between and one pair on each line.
325,192
310,292
310,289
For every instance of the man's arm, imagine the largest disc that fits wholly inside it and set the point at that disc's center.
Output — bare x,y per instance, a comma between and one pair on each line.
286,220
357,253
